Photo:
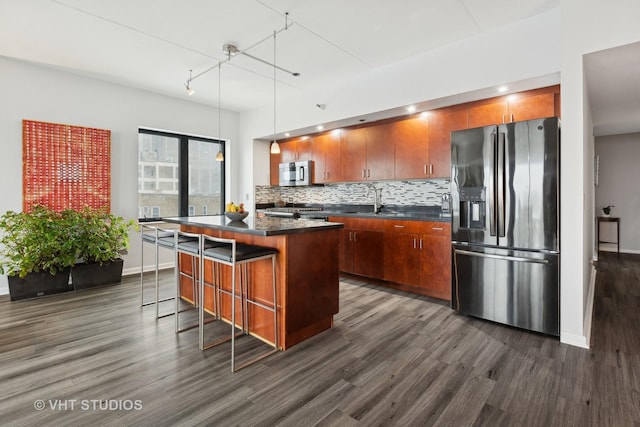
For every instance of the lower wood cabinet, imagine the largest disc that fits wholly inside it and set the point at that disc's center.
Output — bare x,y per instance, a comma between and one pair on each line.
361,247
410,255
418,254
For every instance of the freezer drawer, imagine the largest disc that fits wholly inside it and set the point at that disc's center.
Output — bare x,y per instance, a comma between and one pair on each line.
517,288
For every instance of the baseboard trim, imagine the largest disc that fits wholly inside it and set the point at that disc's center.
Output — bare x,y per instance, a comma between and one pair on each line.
147,268
588,315
574,340
622,250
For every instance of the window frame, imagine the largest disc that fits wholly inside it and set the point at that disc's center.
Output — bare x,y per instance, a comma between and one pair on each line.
183,168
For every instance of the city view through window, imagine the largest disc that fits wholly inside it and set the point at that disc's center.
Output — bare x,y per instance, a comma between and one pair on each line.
178,175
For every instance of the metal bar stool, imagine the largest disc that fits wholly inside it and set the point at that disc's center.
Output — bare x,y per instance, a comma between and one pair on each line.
157,237
239,255
188,244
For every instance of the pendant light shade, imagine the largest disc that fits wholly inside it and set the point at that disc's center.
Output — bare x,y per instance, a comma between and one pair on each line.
275,147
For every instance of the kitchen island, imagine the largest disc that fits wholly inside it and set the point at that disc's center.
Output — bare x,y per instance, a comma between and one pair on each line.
306,272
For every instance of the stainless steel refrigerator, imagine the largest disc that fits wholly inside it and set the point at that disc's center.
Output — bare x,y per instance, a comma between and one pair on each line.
505,223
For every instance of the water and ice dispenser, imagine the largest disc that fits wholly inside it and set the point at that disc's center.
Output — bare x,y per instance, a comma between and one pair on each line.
472,207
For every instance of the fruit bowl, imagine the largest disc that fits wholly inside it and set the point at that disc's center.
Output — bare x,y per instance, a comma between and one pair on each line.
236,216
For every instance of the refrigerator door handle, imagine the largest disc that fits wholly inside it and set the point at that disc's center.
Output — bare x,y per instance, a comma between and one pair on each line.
492,190
501,184
503,257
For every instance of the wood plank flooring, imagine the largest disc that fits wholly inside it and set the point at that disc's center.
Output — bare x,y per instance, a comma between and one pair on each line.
392,359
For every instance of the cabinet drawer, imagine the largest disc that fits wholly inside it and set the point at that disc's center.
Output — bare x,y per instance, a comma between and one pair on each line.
420,227
359,223
437,229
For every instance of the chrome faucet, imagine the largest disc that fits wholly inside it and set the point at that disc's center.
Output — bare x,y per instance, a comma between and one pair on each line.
377,197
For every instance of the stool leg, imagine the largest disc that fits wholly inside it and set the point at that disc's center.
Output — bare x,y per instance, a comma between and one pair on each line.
157,282
275,303
142,268
177,275
201,306
233,317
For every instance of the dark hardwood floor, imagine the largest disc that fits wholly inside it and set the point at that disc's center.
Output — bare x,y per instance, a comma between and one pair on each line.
391,359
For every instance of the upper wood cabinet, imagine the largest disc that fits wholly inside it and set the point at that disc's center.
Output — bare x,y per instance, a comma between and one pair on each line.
441,123
533,104
409,148
529,106
325,153
411,140
353,154
295,149
380,151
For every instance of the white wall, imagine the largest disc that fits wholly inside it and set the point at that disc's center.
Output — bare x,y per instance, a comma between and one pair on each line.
587,26
619,174
45,94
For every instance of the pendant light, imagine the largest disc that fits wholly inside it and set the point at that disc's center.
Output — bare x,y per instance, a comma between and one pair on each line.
219,156
275,147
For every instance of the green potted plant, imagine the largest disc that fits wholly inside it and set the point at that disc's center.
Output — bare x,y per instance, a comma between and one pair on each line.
101,238
36,251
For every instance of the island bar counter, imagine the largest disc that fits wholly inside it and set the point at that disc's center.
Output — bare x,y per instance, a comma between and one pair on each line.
306,273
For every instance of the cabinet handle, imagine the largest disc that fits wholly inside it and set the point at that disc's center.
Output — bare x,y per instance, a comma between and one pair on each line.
503,119
398,226
431,169
414,243
420,243
512,120
350,238
368,173
355,236
425,168
437,228
364,173
327,175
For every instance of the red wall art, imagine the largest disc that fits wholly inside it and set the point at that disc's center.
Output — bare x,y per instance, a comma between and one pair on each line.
65,167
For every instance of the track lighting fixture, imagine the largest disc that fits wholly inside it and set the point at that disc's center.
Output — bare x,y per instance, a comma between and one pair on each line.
232,50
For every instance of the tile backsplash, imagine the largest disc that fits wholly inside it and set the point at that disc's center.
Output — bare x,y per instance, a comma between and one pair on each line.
406,193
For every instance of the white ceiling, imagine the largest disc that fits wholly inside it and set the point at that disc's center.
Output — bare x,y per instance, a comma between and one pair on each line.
152,44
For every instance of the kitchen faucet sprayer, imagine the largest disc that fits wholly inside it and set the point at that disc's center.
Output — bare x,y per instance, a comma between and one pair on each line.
377,197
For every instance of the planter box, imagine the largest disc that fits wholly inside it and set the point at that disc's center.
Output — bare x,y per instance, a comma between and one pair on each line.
84,276
38,284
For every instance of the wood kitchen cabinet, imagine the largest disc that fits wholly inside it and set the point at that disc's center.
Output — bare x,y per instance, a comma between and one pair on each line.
380,152
441,123
296,149
418,254
533,104
411,140
274,173
361,246
366,155
325,153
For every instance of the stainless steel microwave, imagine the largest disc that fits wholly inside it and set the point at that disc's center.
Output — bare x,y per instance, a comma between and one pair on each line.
295,173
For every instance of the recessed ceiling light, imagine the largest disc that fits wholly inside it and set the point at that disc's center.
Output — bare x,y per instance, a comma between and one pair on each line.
411,109
502,89
320,127
287,134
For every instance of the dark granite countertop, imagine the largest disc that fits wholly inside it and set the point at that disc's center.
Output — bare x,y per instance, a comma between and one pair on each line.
268,226
411,213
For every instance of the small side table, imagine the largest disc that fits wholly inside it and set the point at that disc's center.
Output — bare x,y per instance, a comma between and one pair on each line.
615,220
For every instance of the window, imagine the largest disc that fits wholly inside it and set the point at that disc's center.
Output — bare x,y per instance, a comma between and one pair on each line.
178,175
